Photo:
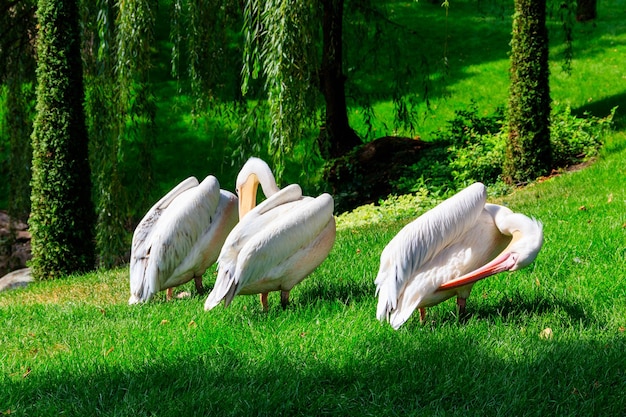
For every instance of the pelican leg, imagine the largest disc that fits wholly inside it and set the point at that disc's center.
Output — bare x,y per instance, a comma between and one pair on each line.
198,282
422,314
264,301
169,293
284,299
461,302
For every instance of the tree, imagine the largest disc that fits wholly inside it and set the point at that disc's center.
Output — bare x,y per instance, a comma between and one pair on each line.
121,110
282,45
280,48
337,137
19,112
62,213
135,100
528,153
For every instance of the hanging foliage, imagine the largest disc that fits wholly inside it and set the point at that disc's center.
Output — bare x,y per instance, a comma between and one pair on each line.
110,199
19,118
17,73
136,102
204,37
280,39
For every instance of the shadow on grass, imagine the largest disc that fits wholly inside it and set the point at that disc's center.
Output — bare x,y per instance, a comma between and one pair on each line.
517,305
511,309
421,375
602,108
345,291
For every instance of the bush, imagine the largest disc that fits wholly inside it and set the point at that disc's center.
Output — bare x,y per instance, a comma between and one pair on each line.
479,161
575,139
477,149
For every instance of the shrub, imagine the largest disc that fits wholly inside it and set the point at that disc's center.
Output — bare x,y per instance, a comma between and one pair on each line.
478,161
477,149
576,139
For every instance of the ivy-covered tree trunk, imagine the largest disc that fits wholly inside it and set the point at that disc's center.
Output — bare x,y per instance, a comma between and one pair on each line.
528,153
337,137
62,213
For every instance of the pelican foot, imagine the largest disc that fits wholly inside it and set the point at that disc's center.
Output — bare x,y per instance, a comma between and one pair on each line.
461,311
264,302
422,315
183,294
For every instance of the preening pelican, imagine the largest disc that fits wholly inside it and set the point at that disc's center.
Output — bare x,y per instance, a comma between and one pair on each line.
180,237
446,250
276,244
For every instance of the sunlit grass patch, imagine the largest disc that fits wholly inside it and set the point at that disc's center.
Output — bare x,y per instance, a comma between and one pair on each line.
393,208
94,288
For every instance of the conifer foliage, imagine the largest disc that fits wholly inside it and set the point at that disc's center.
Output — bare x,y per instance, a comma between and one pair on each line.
62,213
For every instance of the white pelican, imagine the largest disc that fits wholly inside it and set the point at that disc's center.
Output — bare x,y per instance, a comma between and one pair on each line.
276,244
443,252
180,237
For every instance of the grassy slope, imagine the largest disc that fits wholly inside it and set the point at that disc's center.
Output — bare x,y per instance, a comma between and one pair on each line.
74,347
477,61
477,47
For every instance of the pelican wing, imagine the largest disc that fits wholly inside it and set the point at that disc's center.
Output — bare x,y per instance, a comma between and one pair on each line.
421,240
146,225
175,243
267,237
287,234
209,239
144,232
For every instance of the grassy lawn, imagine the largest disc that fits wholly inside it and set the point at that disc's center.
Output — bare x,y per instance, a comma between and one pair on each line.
73,346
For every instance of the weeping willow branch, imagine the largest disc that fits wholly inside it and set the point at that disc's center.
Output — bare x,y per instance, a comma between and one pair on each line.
135,36
103,126
279,47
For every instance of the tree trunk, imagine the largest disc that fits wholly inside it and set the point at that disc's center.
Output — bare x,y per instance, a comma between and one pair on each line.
336,136
528,153
586,10
62,214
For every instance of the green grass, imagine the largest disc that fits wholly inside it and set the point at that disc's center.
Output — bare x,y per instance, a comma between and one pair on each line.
477,54
73,346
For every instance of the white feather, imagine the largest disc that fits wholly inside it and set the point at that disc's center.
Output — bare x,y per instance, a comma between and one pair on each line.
454,244
275,245
180,237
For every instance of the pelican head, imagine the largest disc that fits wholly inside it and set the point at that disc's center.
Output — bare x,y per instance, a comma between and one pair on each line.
254,172
526,242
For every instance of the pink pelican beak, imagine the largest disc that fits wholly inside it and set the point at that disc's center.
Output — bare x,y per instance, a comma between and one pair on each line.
503,262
